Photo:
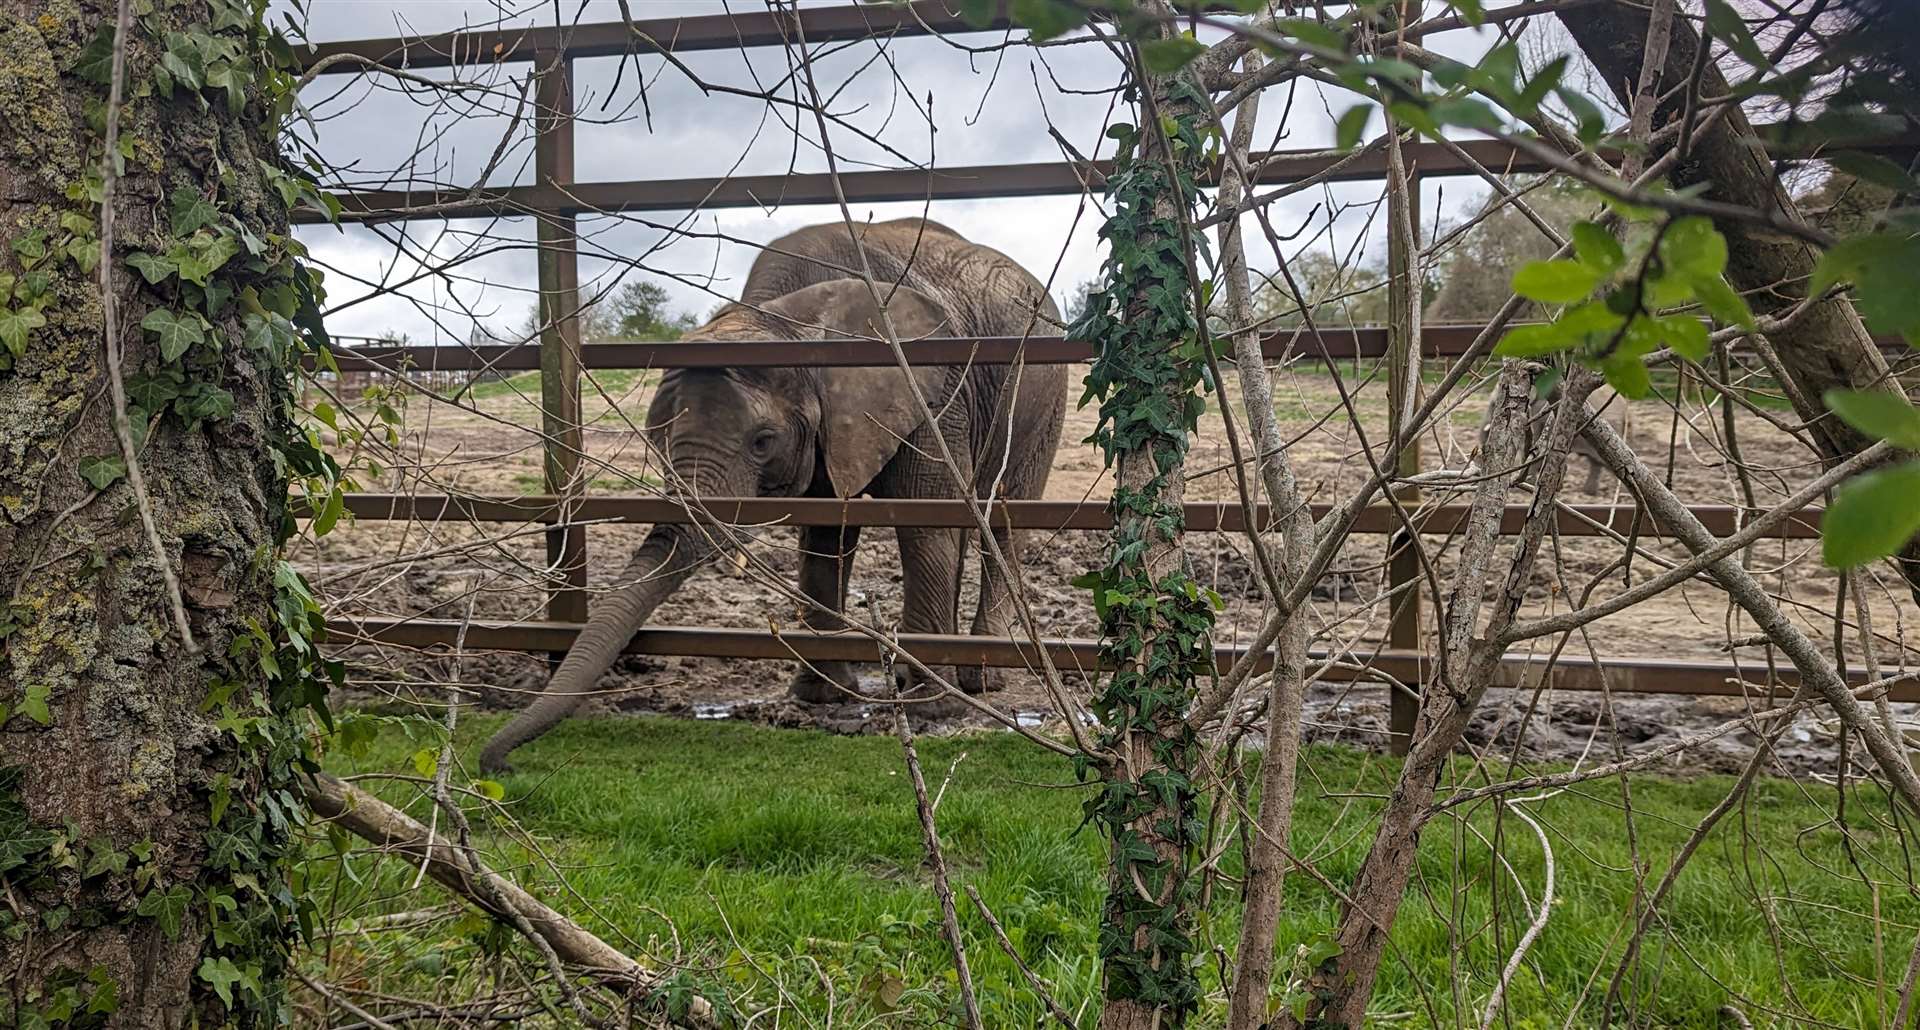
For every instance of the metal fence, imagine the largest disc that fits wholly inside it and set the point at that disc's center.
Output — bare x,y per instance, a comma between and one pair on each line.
555,200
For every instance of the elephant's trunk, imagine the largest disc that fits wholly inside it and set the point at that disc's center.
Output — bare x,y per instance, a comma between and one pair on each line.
656,571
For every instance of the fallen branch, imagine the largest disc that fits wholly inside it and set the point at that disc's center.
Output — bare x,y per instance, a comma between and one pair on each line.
385,826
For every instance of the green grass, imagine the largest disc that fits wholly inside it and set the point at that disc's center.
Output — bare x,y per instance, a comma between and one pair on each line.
615,381
772,851
536,483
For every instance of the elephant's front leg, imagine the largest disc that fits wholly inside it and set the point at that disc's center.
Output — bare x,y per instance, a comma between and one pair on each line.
930,568
826,567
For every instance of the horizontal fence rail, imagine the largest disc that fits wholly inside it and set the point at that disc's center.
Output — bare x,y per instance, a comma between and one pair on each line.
1220,517
1625,675
1345,342
1340,343
838,24
972,182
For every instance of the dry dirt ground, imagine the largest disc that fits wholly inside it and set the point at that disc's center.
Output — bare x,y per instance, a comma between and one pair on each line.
444,570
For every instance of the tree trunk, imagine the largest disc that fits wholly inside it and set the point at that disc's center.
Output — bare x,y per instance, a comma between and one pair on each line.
143,809
1154,618
1826,348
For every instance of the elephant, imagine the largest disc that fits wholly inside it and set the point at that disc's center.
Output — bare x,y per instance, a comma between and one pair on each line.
840,432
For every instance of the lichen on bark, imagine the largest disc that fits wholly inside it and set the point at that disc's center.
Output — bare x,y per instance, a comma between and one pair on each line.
144,809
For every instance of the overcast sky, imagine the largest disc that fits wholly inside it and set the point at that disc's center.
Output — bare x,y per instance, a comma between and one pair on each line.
985,108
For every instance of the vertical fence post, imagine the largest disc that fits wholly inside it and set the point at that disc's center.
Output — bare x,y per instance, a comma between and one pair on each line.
560,334
1404,300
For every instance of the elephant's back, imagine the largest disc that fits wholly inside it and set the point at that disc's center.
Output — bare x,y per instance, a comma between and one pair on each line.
985,292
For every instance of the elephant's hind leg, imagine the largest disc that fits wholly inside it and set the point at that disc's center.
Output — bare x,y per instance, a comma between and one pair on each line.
930,571
994,615
826,567
1028,464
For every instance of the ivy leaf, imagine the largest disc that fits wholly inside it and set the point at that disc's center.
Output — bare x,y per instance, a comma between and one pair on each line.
205,401
31,248
1353,124
101,472
152,267
221,974
34,704
1555,282
15,324
1597,248
106,992
426,761
1881,414
490,789
1166,56
104,858
154,392
20,840
96,61
222,797
176,334
190,211
1872,516
185,60
85,254
191,264
1726,24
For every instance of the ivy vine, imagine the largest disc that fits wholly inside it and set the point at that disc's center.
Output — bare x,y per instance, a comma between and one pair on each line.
1149,376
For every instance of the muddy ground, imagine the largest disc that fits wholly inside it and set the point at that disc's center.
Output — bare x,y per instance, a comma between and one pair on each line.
443,570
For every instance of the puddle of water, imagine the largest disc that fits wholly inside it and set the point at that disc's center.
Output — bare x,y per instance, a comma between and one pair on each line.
712,710
1030,720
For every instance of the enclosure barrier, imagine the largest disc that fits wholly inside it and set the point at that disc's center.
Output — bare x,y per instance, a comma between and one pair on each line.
555,200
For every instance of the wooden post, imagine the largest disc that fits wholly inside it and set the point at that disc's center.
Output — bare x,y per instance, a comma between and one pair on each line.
560,333
1403,397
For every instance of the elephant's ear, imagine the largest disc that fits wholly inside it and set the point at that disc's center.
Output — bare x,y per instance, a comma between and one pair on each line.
865,413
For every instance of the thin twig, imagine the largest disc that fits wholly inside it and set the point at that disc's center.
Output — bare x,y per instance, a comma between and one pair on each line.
110,331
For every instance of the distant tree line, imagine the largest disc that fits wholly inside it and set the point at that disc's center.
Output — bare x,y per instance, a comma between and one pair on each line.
638,310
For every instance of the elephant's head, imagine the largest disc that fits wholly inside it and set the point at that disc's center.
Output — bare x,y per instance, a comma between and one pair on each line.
745,432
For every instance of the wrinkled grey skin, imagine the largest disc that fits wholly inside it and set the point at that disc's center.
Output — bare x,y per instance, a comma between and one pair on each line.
838,432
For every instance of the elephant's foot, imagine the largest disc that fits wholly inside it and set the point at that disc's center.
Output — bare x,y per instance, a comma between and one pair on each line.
824,683
975,679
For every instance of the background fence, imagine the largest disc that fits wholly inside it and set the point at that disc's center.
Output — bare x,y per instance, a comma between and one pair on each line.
555,200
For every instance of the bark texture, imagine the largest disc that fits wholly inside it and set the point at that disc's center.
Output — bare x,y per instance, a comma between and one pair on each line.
113,760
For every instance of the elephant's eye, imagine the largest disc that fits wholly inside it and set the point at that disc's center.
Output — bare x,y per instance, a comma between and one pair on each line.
763,441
